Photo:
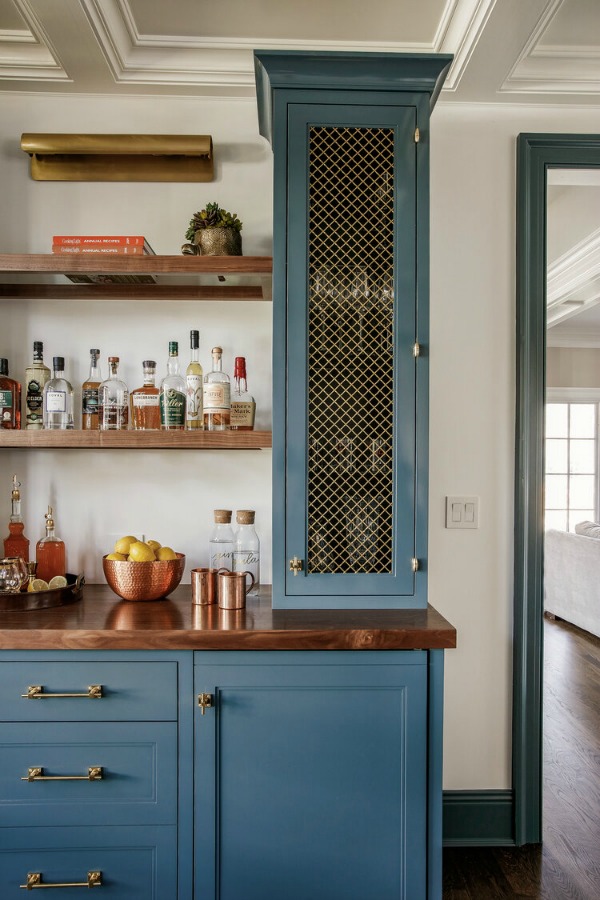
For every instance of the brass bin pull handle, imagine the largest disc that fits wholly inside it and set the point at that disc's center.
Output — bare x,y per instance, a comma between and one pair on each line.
34,881
36,773
36,692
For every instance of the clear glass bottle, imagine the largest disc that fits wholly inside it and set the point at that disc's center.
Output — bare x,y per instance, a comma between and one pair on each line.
50,552
36,376
194,387
172,395
145,411
243,407
220,544
89,394
246,546
16,544
58,398
10,398
216,395
113,400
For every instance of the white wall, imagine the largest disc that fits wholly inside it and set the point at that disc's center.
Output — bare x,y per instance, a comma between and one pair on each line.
472,366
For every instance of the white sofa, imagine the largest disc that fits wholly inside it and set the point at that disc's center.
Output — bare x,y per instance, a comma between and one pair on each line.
572,576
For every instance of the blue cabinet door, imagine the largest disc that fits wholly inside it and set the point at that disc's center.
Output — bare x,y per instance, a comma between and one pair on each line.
311,775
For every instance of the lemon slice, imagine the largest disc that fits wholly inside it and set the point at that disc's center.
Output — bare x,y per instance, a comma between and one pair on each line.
38,584
59,581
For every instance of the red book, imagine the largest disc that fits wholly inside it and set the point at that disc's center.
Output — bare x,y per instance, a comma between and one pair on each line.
129,240
118,250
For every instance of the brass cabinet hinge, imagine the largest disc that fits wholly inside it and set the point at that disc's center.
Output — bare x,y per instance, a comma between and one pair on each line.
417,135
415,564
416,349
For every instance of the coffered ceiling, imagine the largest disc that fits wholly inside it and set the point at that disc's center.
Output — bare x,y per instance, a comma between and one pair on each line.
523,51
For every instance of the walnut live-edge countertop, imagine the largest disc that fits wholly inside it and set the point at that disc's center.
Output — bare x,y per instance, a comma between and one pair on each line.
100,621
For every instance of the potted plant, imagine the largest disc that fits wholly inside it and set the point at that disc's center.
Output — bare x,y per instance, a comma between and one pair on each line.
214,232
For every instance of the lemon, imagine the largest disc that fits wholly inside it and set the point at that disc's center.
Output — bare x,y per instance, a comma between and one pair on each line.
38,584
140,552
124,543
154,544
119,556
59,581
166,553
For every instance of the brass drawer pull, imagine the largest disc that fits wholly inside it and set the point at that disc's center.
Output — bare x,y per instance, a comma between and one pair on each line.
36,692
34,881
36,773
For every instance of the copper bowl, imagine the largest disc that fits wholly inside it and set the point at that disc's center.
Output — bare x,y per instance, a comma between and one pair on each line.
143,580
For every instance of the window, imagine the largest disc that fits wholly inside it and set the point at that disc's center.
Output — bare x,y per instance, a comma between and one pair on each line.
571,463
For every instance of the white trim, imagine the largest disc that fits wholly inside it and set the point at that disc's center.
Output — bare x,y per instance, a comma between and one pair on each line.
573,281
589,339
29,55
573,395
461,26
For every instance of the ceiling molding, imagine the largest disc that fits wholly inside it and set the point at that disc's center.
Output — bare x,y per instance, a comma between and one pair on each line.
588,339
28,54
462,24
573,283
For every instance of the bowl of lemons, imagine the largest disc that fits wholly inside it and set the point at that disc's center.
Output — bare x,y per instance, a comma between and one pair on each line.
142,570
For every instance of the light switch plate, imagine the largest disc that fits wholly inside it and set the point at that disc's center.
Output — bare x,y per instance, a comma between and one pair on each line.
462,512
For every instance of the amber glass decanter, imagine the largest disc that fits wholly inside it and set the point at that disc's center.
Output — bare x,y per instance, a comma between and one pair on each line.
50,552
16,544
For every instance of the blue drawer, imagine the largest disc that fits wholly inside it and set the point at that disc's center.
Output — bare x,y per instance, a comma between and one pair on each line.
130,691
138,783
135,863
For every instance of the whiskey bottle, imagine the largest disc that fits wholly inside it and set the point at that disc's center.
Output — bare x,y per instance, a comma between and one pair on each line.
58,398
246,546
10,398
50,552
36,376
89,394
145,412
113,400
194,387
243,407
216,395
16,544
220,544
172,393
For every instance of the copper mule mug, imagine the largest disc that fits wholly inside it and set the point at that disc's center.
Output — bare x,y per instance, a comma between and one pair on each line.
233,590
204,586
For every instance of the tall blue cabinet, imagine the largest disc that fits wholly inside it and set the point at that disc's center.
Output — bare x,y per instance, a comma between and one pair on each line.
350,138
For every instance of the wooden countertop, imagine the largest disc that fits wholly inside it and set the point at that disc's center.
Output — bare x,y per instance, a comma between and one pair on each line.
100,621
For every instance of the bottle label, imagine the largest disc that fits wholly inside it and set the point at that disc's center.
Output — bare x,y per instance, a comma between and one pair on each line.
56,401
217,397
145,399
220,559
247,561
172,407
195,389
34,395
6,399
242,414
89,401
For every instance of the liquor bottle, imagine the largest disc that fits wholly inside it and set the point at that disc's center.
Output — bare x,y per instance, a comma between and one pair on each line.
36,376
58,398
89,394
220,544
194,387
246,546
172,393
50,552
145,412
216,395
16,544
243,407
10,398
113,400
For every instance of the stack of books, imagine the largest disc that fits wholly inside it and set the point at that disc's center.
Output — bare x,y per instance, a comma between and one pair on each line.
105,245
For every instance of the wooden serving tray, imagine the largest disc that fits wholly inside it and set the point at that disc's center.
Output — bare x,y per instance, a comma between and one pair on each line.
24,600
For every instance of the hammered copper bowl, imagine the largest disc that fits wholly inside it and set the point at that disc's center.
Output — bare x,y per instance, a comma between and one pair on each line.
143,580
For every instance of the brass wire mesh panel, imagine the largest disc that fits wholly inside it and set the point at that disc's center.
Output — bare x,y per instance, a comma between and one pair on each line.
350,352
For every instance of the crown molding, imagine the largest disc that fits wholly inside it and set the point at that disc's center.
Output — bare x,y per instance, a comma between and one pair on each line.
578,340
28,54
461,26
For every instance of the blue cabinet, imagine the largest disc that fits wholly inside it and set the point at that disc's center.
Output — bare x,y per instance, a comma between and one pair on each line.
350,136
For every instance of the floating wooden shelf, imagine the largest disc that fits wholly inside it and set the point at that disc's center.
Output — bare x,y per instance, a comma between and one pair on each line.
136,440
248,277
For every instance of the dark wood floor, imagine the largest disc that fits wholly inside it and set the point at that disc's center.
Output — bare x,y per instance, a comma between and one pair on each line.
567,865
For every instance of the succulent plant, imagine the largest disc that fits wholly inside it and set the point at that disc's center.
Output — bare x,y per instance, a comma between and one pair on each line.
212,216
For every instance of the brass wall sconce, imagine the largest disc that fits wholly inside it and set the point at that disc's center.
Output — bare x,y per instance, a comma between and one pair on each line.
119,157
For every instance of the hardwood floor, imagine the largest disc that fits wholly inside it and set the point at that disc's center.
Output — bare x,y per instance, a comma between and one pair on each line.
567,865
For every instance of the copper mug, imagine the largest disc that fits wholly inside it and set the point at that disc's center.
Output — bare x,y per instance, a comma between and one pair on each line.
204,585
233,590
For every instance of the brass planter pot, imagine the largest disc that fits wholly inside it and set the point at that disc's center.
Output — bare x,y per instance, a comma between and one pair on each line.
218,242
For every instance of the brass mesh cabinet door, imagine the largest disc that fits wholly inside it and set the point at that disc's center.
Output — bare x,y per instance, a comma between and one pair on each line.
351,311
